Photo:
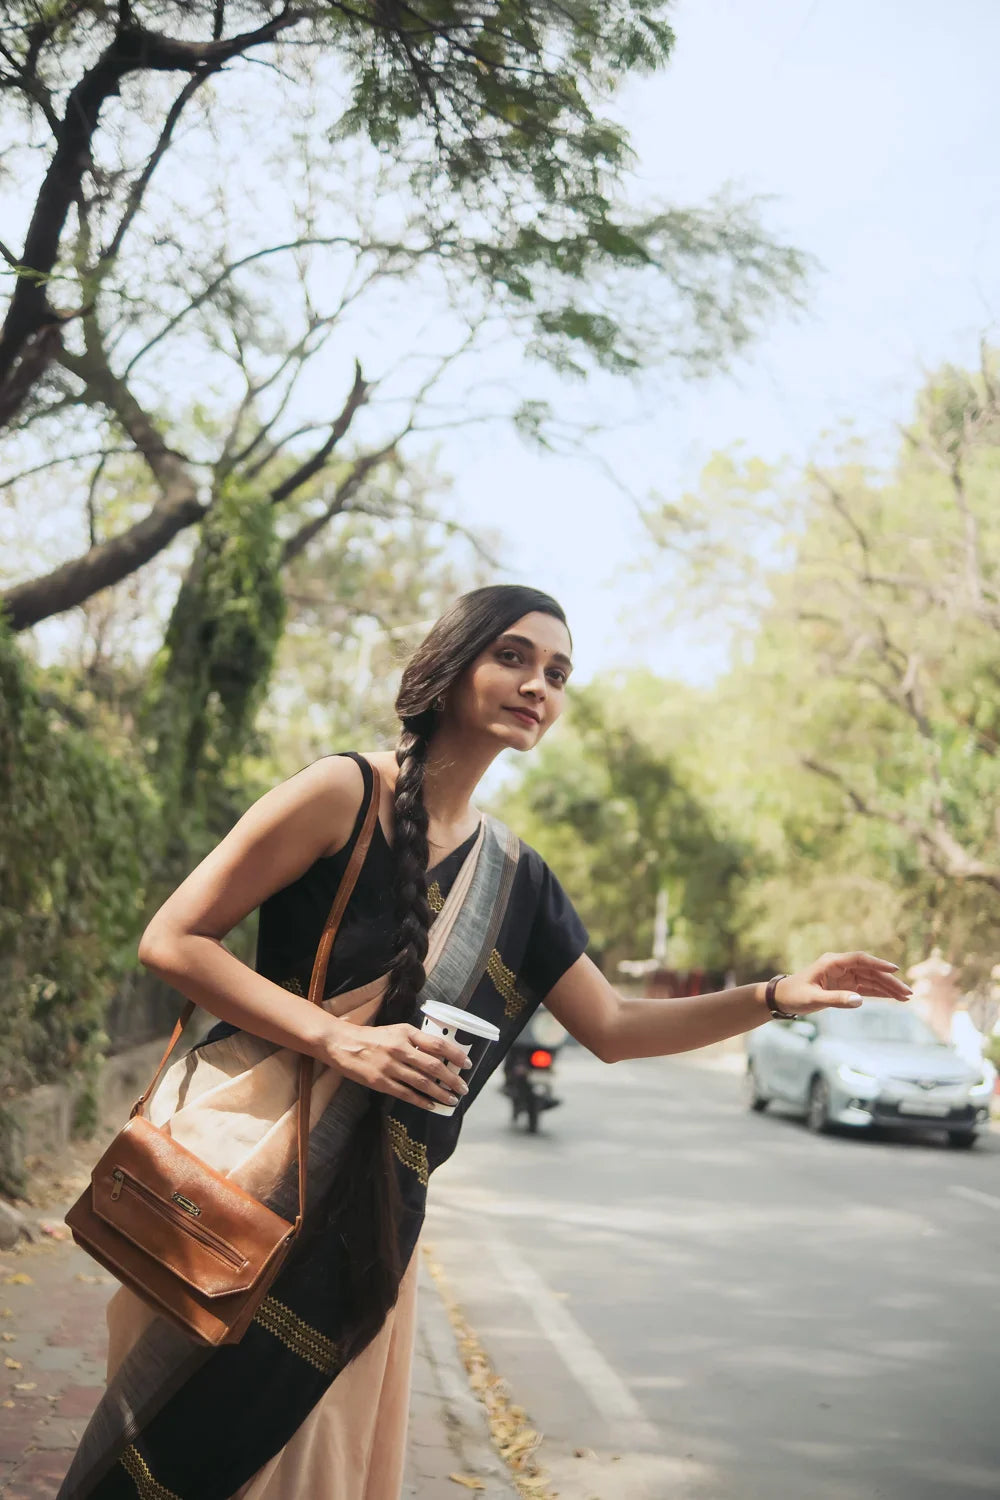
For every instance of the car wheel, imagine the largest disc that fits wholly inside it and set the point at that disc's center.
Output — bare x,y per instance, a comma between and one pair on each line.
756,1101
818,1113
961,1140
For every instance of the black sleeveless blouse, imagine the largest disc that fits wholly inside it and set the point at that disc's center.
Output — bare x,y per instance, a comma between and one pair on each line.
541,936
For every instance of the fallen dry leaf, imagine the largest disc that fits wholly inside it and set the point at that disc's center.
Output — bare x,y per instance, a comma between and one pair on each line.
19,1278
26,1385
12,1364
469,1480
8,1338
516,1441
7,1404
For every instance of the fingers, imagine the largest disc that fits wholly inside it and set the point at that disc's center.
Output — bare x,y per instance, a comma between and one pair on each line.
843,999
869,958
439,1046
423,1083
870,974
412,1096
431,1071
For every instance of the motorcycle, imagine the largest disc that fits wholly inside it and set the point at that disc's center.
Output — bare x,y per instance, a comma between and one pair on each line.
528,1069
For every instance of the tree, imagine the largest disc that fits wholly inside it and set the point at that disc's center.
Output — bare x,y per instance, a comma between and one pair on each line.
609,802
460,143
494,106
866,609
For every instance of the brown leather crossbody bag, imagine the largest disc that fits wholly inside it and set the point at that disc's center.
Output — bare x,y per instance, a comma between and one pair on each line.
179,1234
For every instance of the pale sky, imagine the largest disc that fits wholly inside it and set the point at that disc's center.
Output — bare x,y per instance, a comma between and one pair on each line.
874,126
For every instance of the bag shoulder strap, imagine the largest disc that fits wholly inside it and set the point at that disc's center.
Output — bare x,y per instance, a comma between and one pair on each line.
317,983
321,963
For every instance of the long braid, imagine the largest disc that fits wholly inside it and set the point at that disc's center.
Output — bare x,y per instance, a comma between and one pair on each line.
413,916
375,1268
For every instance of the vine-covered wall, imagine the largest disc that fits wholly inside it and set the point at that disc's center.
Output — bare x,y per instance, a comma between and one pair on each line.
95,836
77,823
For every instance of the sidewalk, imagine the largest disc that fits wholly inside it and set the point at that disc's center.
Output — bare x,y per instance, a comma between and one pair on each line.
52,1347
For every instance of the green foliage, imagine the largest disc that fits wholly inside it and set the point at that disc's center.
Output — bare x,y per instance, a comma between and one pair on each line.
494,152
73,851
504,91
610,803
359,600
863,706
215,664
838,786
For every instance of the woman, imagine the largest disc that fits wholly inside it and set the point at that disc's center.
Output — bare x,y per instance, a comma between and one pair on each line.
313,1401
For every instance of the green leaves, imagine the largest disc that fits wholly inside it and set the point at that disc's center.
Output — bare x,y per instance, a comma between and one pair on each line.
868,605
610,802
215,664
72,886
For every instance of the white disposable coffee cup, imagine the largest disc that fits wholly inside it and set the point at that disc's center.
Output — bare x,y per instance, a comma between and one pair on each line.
470,1032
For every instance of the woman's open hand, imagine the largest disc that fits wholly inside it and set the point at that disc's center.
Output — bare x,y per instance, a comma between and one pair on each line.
400,1060
840,980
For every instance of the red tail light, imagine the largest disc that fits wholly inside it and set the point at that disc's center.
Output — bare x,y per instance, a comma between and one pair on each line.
541,1059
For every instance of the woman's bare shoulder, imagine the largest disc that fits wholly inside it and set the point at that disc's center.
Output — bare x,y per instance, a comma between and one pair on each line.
384,762
330,790
335,787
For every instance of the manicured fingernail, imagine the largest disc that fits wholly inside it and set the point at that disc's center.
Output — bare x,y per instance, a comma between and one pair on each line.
854,999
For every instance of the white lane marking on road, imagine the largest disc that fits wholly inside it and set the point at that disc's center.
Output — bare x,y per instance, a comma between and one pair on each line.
582,1358
976,1196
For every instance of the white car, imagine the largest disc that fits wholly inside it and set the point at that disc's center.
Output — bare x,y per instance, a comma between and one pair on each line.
877,1065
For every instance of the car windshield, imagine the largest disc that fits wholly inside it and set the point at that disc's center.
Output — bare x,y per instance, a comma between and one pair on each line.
872,1022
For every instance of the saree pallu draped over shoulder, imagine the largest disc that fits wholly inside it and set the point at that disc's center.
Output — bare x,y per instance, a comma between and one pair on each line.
281,1416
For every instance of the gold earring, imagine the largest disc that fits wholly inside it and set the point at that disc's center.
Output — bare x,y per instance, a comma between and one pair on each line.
438,704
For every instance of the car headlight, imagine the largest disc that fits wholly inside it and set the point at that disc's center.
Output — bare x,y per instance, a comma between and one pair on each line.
856,1077
983,1087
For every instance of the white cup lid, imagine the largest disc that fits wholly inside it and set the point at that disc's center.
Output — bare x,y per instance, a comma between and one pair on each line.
460,1020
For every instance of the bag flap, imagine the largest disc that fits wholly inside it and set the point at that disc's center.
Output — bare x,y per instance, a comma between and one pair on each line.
176,1209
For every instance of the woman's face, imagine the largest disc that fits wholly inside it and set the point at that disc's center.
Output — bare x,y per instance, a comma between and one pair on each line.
515,689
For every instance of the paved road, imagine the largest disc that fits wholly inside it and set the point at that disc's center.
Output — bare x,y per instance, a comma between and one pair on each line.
697,1303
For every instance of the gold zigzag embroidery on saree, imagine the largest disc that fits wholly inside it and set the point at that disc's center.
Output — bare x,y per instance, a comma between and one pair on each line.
504,979
412,1154
298,1335
141,1476
505,983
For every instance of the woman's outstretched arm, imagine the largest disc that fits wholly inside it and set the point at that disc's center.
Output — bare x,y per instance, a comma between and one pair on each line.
615,1029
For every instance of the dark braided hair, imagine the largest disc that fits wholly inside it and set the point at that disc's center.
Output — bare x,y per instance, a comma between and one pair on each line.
413,917
365,1196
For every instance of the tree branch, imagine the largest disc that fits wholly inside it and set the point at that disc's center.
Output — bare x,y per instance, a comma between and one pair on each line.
312,465
945,854
344,492
133,49
75,582
64,458
138,189
169,468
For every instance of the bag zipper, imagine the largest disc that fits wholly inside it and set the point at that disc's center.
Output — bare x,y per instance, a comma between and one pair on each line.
175,1216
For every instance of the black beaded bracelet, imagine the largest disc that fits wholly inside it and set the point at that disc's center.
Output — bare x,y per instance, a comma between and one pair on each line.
772,1004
